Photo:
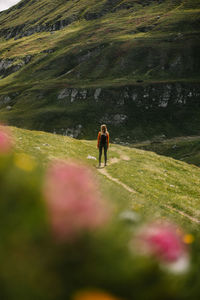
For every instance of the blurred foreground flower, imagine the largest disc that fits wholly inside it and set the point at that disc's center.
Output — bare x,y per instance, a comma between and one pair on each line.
73,200
24,162
93,295
5,140
129,216
165,241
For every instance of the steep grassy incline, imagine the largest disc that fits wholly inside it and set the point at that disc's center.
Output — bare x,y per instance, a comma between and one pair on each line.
67,66
149,184
44,15
186,149
119,38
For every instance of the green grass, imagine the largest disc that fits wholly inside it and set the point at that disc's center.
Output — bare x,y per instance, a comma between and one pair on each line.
157,44
186,149
158,181
118,32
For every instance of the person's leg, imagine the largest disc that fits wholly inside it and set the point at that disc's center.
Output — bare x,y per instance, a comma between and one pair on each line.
100,153
105,154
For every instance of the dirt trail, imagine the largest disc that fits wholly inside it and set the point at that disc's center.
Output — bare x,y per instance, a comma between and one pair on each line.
126,187
115,160
182,213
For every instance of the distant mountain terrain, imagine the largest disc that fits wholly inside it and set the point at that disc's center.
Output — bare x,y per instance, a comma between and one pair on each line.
185,148
68,66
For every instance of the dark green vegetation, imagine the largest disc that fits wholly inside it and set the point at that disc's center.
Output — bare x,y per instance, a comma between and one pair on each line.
186,149
131,64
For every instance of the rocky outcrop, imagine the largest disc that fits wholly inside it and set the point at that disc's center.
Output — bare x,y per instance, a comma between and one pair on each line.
114,119
109,6
73,132
73,94
23,30
129,110
118,105
48,51
8,100
9,66
5,64
9,33
151,96
5,100
97,94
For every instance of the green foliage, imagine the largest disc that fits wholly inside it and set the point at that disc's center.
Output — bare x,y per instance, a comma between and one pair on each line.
158,181
183,148
35,265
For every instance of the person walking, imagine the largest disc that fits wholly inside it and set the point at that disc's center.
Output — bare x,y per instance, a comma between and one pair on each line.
103,143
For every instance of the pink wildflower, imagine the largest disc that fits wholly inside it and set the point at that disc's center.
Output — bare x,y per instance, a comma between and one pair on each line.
73,201
164,241
5,141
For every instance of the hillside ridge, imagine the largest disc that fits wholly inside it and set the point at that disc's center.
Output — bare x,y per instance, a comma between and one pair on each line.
138,179
132,64
56,10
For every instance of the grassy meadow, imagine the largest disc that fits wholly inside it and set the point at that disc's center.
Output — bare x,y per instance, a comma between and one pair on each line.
51,245
162,186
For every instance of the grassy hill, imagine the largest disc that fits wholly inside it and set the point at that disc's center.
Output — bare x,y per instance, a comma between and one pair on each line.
142,181
46,244
132,64
184,148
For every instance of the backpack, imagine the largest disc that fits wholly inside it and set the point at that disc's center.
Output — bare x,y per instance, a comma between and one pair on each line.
103,139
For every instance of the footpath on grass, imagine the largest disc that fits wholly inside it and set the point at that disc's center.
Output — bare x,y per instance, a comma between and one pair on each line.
115,160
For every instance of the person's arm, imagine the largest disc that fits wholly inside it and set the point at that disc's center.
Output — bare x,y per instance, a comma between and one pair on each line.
98,139
107,140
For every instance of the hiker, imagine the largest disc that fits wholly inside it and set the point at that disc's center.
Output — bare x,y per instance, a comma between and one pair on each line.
103,143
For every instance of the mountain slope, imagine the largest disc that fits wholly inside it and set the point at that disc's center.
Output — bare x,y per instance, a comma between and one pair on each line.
131,64
148,193
186,149
134,179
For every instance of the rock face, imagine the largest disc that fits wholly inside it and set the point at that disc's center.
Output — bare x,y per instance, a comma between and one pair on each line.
5,64
119,106
5,100
8,100
73,132
22,30
35,26
63,94
124,109
72,94
114,119
151,96
9,66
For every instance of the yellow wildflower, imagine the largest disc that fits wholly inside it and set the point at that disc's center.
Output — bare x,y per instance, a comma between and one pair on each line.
93,295
24,162
188,238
